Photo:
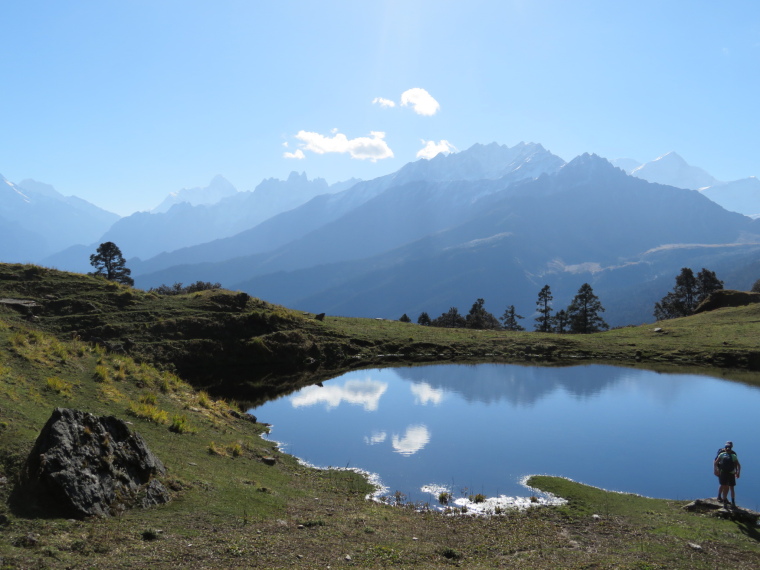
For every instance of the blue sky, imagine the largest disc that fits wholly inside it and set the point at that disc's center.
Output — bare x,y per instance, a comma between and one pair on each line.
121,103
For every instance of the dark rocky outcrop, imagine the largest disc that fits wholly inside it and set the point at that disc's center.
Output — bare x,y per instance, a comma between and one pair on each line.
727,298
82,465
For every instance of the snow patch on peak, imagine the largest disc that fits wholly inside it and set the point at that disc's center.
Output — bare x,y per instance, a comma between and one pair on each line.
672,170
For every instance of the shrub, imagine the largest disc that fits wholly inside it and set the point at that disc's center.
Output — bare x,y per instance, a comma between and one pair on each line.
203,399
179,424
59,386
213,449
235,449
148,398
148,412
101,373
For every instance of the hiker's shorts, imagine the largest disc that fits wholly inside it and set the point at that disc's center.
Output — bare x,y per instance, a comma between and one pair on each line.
727,479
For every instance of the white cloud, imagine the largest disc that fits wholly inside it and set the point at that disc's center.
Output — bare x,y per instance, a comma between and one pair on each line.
298,154
415,438
375,438
372,148
420,100
383,102
425,393
364,393
433,148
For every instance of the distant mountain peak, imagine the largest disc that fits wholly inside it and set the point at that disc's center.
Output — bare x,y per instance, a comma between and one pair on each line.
671,169
483,162
217,189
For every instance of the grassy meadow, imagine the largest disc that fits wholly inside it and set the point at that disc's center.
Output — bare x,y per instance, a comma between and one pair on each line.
167,364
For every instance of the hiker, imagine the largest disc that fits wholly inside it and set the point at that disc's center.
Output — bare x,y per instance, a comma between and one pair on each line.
727,468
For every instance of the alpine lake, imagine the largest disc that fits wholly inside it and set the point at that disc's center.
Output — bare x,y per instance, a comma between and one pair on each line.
482,429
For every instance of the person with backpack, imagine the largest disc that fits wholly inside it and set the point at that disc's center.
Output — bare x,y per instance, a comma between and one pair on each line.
727,468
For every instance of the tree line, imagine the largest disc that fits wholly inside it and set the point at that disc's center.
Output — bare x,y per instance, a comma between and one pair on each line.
582,316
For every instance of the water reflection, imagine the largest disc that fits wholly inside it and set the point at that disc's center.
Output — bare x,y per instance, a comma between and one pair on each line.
485,427
526,385
365,393
414,439
425,394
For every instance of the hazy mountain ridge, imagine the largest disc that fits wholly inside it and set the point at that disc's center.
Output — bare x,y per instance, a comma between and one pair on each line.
36,220
385,213
514,241
491,221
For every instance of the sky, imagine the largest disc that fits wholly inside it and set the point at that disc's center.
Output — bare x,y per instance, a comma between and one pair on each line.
121,103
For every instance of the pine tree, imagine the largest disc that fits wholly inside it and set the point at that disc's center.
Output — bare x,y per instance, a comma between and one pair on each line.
424,319
509,320
479,318
544,304
560,321
687,294
450,319
405,319
109,262
583,312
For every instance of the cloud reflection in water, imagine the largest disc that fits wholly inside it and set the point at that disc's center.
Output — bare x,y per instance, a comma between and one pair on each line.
414,439
424,393
375,438
364,393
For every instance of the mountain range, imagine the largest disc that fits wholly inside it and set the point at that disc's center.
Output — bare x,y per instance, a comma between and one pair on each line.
489,222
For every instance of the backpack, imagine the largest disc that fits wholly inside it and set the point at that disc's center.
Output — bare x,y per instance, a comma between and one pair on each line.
726,462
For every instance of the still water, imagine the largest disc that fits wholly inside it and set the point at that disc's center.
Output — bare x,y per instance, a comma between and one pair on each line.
482,428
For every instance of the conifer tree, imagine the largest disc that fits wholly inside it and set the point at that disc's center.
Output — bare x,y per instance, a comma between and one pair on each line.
479,318
687,294
560,321
109,262
544,304
405,318
509,320
583,312
450,319
423,319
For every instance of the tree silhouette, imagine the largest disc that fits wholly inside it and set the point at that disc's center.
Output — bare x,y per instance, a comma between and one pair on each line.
451,319
109,262
423,319
560,321
583,312
479,318
405,318
688,292
544,304
509,320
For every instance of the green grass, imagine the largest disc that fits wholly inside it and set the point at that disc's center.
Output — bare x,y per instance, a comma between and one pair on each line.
232,509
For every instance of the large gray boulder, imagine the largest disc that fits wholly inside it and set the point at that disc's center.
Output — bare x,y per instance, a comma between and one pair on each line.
82,465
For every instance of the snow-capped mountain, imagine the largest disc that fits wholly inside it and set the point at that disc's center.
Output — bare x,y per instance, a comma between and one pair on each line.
741,196
218,188
36,220
672,170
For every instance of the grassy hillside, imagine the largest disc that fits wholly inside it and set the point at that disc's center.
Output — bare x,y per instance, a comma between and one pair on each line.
232,508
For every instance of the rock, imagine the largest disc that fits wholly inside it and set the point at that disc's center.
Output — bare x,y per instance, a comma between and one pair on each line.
715,508
83,465
243,416
320,317
269,460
